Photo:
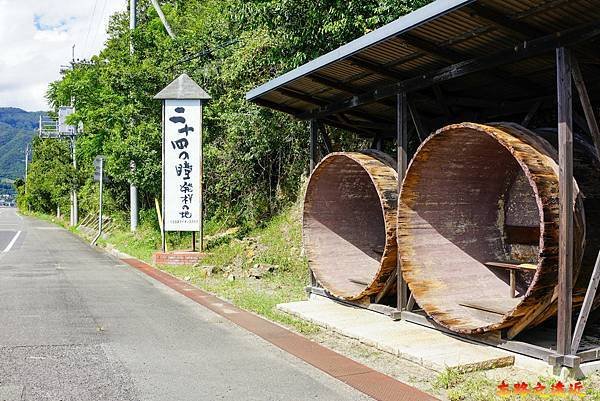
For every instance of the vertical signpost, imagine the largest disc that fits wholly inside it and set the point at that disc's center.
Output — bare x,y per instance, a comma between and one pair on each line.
99,177
182,157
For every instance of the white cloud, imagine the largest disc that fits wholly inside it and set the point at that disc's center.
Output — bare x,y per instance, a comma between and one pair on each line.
36,37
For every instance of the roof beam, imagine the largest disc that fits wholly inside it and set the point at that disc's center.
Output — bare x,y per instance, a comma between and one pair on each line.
376,68
279,106
301,96
355,90
364,129
432,48
453,56
502,21
334,83
521,51
294,94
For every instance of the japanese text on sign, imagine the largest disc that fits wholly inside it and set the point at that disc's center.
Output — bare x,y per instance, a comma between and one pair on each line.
182,165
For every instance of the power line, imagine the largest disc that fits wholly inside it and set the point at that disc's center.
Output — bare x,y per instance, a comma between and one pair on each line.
101,24
90,25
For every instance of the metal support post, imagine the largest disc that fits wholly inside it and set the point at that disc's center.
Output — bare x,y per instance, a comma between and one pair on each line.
402,160
133,201
565,152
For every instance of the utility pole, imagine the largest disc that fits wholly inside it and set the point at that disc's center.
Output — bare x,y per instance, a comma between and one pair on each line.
26,165
132,21
75,207
133,197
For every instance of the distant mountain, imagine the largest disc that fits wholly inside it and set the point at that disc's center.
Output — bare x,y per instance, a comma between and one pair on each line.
17,128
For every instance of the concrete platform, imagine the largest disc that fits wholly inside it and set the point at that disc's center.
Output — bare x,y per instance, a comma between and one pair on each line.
424,346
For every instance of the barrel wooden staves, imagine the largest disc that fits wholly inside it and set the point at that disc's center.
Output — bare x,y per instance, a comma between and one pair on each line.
349,223
478,228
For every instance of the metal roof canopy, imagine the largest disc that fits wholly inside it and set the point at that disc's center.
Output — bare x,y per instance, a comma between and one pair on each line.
458,60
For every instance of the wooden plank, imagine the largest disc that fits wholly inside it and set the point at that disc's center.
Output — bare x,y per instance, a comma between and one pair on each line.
531,113
513,283
411,302
389,284
359,281
484,308
522,235
314,137
512,266
586,307
587,105
402,160
377,142
416,119
326,139
314,133
439,95
565,152
529,317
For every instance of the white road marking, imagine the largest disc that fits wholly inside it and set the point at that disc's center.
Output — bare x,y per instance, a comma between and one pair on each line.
12,242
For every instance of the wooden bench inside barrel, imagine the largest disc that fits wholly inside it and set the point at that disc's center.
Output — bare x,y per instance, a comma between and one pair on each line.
522,235
519,235
513,268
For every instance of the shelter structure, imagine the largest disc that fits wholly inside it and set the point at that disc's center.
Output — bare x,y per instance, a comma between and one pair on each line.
456,61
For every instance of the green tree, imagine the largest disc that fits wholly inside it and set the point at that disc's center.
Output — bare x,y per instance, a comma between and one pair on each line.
51,177
254,157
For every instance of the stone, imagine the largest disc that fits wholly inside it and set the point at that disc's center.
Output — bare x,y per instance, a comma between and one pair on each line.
207,270
260,269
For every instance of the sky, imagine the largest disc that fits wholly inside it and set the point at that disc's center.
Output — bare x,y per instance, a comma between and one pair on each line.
36,38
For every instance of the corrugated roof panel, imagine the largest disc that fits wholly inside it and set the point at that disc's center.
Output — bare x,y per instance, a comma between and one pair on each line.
407,22
444,33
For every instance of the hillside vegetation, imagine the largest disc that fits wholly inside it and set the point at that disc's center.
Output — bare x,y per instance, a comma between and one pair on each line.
254,157
17,128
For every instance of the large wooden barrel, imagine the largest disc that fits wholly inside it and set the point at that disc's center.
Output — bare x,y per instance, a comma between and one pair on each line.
349,223
477,202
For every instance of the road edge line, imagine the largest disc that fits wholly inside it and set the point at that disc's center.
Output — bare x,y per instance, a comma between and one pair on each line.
12,242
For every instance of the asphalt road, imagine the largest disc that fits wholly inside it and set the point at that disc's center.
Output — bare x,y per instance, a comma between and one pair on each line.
76,324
